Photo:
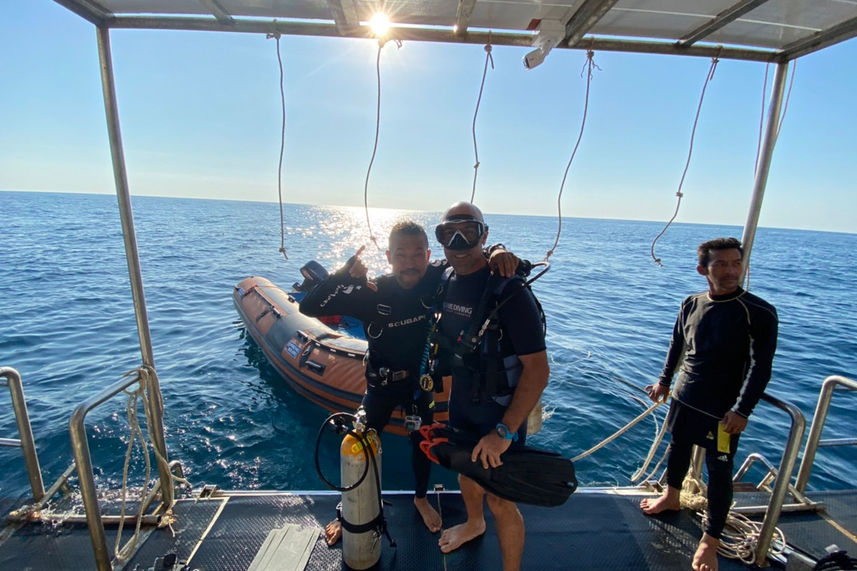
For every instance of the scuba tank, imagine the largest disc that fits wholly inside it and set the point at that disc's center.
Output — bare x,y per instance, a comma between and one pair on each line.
361,538
361,511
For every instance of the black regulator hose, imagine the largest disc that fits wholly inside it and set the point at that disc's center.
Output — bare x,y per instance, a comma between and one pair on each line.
338,421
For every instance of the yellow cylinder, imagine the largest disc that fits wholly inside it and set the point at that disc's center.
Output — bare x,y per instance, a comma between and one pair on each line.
361,505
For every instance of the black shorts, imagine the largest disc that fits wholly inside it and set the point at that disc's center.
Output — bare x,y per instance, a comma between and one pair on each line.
689,425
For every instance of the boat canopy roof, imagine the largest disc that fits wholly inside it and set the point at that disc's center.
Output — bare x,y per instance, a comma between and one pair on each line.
760,30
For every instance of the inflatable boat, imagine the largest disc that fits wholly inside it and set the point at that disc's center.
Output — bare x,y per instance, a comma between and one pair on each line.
322,362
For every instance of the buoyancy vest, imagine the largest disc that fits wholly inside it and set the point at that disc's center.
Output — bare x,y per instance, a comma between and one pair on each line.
481,357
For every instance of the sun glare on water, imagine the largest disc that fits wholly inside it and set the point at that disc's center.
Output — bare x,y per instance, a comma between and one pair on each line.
344,229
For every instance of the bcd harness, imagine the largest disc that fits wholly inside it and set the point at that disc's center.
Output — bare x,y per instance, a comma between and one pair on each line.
481,353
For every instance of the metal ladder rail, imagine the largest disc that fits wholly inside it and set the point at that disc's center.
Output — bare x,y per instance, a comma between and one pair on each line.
813,441
25,431
83,461
781,487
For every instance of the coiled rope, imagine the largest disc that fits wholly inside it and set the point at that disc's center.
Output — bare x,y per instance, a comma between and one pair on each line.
282,249
488,58
146,375
589,66
740,537
708,78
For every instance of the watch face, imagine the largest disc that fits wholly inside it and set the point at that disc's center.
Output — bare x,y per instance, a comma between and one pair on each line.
502,432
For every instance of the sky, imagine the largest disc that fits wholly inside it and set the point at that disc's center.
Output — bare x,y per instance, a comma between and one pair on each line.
201,117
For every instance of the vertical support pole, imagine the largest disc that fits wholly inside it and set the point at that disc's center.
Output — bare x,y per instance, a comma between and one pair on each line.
153,390
763,164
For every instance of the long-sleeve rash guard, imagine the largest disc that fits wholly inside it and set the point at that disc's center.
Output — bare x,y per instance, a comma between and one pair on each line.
396,321
725,347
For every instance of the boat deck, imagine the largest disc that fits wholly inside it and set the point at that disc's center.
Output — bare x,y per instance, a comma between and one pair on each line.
595,529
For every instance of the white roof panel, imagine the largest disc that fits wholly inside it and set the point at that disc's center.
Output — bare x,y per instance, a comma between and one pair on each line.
779,28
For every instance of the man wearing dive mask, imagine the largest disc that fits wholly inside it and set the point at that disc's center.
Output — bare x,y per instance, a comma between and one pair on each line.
460,232
496,380
397,313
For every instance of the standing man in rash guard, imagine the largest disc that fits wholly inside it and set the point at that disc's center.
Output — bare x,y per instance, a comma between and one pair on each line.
724,342
396,311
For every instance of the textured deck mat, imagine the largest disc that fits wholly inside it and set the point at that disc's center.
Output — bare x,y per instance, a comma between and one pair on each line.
812,532
593,530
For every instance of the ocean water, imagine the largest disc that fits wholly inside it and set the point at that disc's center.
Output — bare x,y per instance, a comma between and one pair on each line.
67,325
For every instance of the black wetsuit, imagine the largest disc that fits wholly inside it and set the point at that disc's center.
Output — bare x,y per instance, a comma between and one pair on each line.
472,409
397,323
723,347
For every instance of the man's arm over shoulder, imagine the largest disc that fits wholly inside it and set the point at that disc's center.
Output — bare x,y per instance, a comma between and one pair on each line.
764,328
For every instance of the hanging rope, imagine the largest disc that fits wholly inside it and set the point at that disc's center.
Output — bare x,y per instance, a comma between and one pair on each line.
589,66
381,43
659,437
788,96
488,57
136,433
276,36
708,78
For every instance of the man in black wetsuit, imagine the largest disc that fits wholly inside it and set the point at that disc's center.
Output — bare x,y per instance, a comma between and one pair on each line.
495,384
723,346
396,311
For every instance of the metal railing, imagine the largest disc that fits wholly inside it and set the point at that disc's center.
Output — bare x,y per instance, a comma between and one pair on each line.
83,460
814,441
25,442
783,478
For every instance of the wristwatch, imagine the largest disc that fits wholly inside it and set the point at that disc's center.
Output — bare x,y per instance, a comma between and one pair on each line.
503,432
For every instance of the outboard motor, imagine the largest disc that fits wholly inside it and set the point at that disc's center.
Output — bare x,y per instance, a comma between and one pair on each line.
313,273
361,517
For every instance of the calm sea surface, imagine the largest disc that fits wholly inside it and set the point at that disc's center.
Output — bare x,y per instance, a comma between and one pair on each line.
67,324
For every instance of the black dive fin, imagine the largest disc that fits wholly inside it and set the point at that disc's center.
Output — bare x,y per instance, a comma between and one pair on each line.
528,475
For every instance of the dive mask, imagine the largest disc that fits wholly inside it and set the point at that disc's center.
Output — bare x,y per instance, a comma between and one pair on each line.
460,232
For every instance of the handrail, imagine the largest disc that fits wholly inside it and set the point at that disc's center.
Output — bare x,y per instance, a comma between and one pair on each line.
781,488
813,441
25,431
83,460
784,474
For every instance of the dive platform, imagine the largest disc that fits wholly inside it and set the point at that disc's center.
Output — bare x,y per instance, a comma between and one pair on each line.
598,528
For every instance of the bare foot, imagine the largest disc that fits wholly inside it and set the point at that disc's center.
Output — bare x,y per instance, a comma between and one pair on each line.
333,532
705,558
430,516
666,502
456,536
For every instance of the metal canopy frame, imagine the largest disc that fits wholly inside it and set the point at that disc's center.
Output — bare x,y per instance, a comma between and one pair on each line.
583,20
